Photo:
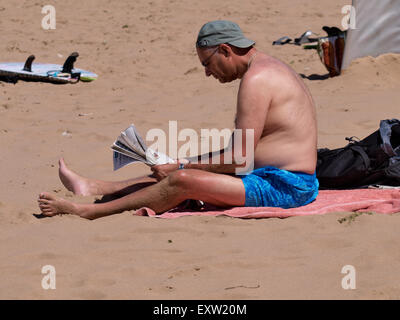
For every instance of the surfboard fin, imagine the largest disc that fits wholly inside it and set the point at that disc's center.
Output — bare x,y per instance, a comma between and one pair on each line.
28,63
69,63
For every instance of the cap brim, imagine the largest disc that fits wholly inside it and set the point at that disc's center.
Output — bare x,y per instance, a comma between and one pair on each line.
242,43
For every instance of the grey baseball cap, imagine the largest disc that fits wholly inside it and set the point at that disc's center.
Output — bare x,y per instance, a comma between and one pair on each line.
222,31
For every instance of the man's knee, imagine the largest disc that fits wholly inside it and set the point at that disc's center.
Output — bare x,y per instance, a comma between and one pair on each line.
181,179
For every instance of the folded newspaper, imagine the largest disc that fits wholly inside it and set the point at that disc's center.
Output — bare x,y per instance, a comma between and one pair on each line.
130,147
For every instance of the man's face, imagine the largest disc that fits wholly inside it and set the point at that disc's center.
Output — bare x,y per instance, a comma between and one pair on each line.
215,63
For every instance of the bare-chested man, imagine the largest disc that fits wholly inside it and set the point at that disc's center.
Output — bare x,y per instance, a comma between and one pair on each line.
272,100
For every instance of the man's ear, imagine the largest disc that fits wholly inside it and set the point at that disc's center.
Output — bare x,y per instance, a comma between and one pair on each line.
225,49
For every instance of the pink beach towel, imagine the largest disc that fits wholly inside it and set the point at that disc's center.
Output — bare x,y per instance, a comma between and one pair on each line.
360,200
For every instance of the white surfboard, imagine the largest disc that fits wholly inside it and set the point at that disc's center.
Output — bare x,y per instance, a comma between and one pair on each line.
45,72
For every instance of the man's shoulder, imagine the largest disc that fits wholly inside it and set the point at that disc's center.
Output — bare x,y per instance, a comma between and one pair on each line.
266,70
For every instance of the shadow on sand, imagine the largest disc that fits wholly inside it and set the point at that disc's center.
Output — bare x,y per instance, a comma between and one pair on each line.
314,76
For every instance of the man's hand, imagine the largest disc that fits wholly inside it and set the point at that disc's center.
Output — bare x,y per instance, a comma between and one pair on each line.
162,171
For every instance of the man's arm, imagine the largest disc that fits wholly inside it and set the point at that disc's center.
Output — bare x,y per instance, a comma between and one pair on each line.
221,161
254,100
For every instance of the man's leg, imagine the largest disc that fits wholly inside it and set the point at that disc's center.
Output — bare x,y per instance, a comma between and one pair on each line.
217,189
90,187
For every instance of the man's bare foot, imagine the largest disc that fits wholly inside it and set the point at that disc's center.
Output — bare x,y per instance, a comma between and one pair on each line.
51,205
74,182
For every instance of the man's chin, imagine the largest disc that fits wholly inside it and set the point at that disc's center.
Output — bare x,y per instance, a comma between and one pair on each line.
224,80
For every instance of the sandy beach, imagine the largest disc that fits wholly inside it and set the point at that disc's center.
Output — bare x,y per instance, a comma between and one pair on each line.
149,74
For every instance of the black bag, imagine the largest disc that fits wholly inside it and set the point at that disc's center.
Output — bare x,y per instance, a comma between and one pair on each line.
373,160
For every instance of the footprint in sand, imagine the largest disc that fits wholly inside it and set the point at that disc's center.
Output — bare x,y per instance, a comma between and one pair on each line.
170,230
79,283
103,282
83,281
48,255
101,238
91,294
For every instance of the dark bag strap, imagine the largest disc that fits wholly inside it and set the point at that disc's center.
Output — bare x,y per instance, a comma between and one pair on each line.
363,155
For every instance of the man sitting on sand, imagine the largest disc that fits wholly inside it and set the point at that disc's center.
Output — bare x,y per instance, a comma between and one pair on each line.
272,100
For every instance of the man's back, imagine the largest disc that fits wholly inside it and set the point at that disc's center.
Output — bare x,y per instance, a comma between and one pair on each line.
289,136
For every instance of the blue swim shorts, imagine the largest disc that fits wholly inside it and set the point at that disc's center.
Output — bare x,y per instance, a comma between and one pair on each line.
273,187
